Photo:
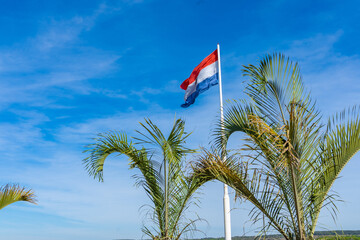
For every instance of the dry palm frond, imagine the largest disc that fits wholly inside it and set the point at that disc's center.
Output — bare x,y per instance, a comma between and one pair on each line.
13,193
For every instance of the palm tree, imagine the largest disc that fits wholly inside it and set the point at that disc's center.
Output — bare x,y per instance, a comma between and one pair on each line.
159,160
290,159
13,193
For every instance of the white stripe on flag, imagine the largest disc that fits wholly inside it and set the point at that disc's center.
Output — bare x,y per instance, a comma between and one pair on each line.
203,74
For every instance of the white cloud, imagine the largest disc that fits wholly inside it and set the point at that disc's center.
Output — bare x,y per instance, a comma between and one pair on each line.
327,71
53,59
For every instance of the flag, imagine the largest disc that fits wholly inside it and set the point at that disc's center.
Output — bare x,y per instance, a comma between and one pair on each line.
205,75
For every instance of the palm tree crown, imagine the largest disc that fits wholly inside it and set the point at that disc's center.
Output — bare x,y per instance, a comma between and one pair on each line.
290,158
159,160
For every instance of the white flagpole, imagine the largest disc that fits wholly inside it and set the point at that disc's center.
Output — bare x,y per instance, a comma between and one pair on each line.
227,222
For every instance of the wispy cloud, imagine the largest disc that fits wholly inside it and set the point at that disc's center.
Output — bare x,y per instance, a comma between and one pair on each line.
55,58
325,70
60,33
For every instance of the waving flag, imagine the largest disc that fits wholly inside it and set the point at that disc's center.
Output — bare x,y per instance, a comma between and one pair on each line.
205,75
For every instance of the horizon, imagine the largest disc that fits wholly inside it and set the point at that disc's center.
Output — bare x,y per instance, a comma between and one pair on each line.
70,70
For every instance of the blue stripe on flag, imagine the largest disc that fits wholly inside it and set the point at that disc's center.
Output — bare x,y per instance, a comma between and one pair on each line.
200,88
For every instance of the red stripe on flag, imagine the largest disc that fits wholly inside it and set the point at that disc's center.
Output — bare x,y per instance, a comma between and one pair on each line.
213,57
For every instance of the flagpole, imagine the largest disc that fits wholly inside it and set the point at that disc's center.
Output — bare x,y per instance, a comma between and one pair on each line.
227,222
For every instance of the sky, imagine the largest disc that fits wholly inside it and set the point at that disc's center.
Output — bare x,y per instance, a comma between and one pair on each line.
72,69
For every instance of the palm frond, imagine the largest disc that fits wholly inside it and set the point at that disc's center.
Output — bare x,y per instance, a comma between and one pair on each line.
340,143
13,193
248,185
105,144
273,84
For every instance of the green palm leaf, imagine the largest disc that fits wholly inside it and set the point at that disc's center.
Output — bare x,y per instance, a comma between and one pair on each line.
341,142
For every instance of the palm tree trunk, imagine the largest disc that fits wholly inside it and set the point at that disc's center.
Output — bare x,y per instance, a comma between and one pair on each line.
297,203
166,200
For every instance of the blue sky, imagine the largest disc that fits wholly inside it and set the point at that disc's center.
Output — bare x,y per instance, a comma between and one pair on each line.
71,69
